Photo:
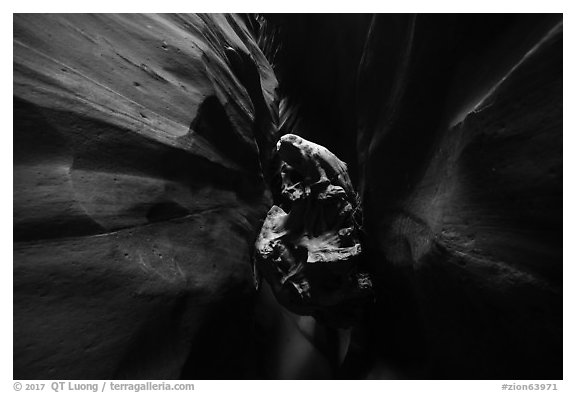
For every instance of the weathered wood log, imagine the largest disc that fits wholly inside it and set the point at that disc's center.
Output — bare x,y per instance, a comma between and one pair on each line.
309,246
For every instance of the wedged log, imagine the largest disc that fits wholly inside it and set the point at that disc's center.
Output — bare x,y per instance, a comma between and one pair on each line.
309,246
456,122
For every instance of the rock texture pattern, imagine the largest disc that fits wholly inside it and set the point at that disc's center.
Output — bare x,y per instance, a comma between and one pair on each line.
143,148
457,124
309,246
470,228
138,193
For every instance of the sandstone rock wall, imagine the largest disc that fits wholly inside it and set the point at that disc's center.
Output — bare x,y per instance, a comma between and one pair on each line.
469,218
140,148
457,123
138,194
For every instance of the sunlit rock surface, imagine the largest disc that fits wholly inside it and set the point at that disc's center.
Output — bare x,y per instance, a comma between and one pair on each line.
138,193
140,165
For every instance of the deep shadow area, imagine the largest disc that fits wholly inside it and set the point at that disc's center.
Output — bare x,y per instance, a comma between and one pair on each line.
45,153
145,163
212,124
452,128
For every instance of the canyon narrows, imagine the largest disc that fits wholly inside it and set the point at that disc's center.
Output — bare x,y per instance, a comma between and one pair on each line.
411,166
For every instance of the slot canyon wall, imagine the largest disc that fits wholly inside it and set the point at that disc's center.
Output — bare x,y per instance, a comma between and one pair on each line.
141,183
138,195
457,124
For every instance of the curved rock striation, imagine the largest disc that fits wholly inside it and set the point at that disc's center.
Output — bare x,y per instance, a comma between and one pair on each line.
138,193
469,232
456,122
143,149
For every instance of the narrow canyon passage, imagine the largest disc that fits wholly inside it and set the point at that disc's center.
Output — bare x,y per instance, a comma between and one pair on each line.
146,161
